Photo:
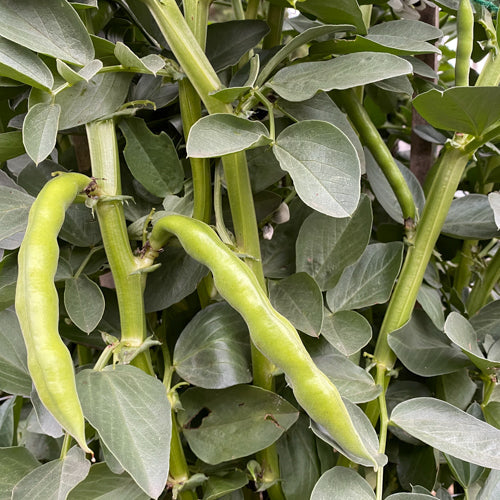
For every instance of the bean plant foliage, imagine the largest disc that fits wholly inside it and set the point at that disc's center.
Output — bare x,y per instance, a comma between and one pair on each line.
295,130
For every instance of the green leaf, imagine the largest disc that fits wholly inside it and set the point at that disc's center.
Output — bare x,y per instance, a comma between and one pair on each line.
470,110
370,280
151,158
299,299
84,74
327,245
456,388
218,486
430,300
384,192
407,28
347,331
416,465
221,134
20,64
180,271
40,130
494,200
50,27
450,430
80,227
487,321
341,482
48,424
323,164
11,145
14,210
53,480
213,350
471,217
424,349
138,434
301,81
410,496
230,94
8,279
321,107
297,452
235,422
17,462
87,101
101,483
149,64
14,375
228,42
84,302
491,488
462,333
7,422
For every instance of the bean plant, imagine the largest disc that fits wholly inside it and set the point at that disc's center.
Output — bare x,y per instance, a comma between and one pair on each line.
249,250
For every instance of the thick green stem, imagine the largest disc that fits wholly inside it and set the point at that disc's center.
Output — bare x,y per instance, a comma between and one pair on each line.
275,15
372,139
481,291
384,420
464,269
129,287
252,9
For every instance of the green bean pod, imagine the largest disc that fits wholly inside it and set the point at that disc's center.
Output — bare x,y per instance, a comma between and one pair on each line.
465,42
271,332
37,304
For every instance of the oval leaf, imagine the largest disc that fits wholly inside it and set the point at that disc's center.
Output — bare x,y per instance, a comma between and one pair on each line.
213,351
138,435
17,462
14,210
450,430
323,164
221,134
40,130
84,302
301,81
50,27
225,424
341,482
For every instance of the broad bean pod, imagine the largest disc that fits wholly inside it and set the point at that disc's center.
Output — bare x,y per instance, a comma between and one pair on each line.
37,304
465,42
271,332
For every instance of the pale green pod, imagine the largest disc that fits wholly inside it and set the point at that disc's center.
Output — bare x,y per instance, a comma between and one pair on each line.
271,333
37,304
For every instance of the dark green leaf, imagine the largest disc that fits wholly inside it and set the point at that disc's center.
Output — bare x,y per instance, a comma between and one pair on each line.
341,482
456,388
151,158
40,130
16,462
471,110
138,434
487,321
80,227
8,278
416,465
425,350
450,430
20,64
213,351
299,299
327,245
14,375
11,145
7,422
471,217
53,480
218,486
370,280
301,81
235,422
220,134
323,164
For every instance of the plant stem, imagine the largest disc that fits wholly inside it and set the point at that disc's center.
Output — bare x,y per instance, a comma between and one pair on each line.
275,15
66,445
384,419
464,269
252,9
372,139
103,149
482,289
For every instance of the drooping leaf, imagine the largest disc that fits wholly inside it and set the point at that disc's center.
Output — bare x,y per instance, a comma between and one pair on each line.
221,134
327,245
103,484
235,422
450,430
40,130
14,209
347,331
370,280
50,27
53,480
151,158
301,81
11,145
323,164
84,302
341,482
22,65
138,434
424,349
299,299
213,350
470,110
17,462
